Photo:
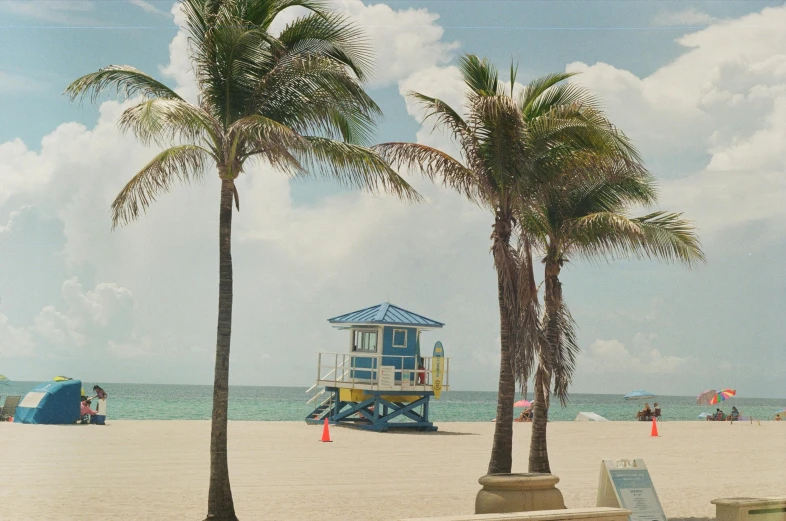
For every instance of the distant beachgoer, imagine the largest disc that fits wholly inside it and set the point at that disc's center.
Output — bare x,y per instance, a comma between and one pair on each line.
719,415
735,414
100,393
525,416
421,374
645,414
656,411
85,412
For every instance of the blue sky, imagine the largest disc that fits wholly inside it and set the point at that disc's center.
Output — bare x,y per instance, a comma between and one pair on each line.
699,86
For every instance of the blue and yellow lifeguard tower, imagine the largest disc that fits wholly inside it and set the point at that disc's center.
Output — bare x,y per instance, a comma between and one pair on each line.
384,382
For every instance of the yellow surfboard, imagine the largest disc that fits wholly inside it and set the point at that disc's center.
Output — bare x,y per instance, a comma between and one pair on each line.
437,369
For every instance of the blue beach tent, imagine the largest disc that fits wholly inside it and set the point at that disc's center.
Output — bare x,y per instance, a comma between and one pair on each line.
53,403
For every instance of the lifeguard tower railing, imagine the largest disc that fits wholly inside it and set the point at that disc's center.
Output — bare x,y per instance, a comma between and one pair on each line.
376,372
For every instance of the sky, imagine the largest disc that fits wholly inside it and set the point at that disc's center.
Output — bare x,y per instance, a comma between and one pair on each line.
700,87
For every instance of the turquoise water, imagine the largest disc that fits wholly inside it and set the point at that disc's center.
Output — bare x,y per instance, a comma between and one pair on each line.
193,402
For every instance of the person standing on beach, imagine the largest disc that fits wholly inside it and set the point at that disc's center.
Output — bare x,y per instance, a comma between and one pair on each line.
100,393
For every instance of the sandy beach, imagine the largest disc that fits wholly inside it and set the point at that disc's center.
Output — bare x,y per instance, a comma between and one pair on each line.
279,471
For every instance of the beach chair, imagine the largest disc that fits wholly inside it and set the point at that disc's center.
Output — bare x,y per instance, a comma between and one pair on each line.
9,407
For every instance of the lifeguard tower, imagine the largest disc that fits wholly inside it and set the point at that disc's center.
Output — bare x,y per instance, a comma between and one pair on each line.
383,382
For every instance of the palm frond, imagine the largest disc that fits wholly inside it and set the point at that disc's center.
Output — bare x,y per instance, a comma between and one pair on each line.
163,120
535,89
184,163
263,137
549,93
581,128
480,76
667,236
447,117
262,13
503,149
332,35
660,235
565,350
124,79
611,187
433,164
352,166
308,92
528,338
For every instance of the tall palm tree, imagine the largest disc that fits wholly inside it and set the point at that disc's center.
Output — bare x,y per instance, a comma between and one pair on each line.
293,100
584,216
510,146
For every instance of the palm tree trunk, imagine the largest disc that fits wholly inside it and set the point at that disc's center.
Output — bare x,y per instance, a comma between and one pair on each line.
219,500
502,448
538,450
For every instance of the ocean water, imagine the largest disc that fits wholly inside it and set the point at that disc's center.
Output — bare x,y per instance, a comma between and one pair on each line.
193,402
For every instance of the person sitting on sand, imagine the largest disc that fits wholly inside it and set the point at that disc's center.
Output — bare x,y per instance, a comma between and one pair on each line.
656,411
735,414
719,416
525,416
85,412
645,414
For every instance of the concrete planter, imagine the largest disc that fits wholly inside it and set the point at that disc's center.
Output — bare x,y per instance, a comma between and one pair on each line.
518,493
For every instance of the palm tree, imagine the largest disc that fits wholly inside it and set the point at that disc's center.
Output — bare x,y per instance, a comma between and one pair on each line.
584,216
294,100
510,146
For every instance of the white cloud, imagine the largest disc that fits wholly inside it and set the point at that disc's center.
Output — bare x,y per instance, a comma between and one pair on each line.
106,311
404,41
179,67
611,356
133,349
721,104
690,16
147,7
21,170
16,83
14,341
89,322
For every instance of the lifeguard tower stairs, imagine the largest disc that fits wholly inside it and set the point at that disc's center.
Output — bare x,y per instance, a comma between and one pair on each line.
383,382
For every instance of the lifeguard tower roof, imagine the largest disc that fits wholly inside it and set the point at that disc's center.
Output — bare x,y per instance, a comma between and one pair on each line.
385,314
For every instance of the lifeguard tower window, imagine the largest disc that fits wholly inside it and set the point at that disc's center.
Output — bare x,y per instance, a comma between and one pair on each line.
365,341
399,338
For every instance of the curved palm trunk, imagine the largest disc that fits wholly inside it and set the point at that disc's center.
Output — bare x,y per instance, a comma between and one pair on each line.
502,448
538,452
219,500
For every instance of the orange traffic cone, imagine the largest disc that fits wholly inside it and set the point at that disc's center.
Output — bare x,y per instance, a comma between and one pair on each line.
654,432
326,432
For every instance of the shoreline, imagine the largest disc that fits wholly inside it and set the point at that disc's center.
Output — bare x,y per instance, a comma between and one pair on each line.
154,469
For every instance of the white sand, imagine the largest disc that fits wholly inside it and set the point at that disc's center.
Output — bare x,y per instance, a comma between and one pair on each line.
279,471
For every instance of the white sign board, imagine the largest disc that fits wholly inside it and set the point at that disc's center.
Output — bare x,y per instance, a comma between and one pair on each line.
387,377
627,484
